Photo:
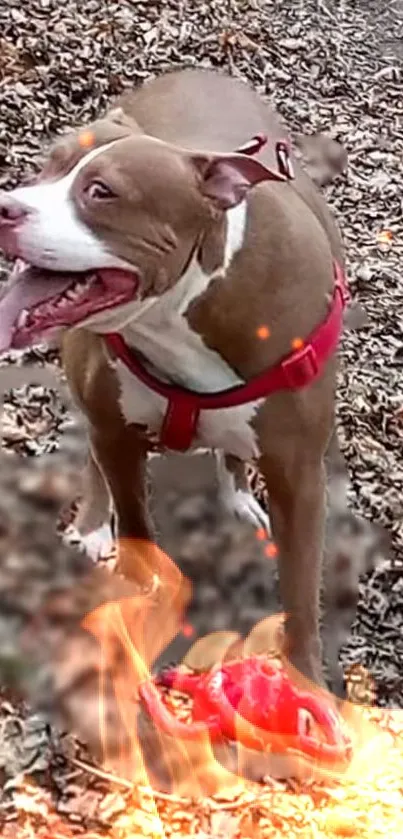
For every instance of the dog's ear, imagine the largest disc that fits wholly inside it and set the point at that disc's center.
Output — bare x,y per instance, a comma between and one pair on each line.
119,117
227,178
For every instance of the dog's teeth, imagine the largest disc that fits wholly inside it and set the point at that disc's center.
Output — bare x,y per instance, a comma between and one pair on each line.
23,318
88,281
76,291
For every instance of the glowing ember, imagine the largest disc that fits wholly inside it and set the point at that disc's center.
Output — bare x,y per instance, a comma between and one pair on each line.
297,343
385,237
86,139
263,332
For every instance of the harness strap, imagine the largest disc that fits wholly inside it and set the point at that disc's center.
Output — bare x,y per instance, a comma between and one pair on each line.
297,370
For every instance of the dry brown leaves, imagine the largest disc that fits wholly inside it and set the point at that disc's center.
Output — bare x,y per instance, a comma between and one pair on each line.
328,66
367,805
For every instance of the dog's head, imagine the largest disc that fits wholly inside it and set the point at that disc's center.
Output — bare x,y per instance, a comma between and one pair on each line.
114,218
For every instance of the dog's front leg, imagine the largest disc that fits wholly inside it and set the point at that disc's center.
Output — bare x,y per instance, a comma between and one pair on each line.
94,507
121,456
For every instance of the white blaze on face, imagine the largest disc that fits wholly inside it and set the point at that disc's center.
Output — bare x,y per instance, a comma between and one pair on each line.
52,235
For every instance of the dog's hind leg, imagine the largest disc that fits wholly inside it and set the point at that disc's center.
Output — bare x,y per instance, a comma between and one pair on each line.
236,494
293,433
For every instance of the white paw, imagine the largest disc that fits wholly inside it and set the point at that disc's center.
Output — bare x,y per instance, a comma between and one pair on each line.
240,502
98,544
245,506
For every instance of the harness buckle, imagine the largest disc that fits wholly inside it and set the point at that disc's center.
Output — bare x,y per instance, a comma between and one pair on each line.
301,368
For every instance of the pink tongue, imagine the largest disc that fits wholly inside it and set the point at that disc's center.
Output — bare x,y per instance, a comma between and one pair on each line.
28,290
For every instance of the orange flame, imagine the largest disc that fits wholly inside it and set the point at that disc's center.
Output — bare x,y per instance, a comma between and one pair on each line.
131,633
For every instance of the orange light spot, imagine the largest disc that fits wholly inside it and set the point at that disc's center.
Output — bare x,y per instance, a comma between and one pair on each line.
263,332
271,550
297,344
385,237
261,534
86,139
187,630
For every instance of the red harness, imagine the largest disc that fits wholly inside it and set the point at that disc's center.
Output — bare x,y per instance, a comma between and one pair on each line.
298,369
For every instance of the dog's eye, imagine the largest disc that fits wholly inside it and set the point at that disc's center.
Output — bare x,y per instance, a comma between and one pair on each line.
99,191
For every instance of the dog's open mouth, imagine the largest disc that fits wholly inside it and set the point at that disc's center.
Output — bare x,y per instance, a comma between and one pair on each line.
36,302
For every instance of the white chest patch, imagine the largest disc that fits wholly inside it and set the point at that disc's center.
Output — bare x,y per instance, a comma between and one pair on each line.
159,330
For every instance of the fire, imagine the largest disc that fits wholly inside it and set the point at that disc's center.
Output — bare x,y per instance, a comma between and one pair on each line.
177,787
131,634
143,627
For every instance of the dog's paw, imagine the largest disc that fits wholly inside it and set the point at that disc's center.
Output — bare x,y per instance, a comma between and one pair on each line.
244,506
236,496
98,544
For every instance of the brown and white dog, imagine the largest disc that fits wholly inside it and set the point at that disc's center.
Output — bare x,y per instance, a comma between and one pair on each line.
158,225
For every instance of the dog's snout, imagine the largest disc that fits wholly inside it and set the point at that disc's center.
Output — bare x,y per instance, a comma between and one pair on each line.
11,209
12,213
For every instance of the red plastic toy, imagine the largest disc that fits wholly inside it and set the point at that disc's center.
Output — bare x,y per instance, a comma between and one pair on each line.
252,701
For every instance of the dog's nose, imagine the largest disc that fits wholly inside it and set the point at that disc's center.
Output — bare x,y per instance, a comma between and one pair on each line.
12,209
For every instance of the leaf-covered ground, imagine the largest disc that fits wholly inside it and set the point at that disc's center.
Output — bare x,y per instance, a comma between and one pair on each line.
328,66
